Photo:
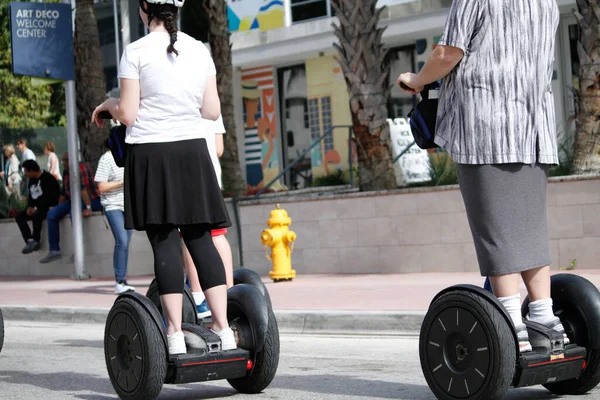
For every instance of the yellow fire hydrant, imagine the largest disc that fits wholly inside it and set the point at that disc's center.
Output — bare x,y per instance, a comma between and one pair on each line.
281,241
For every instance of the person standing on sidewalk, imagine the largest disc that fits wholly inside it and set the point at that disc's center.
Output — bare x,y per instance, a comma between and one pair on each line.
214,141
11,173
496,120
44,192
53,162
109,178
89,202
168,86
27,154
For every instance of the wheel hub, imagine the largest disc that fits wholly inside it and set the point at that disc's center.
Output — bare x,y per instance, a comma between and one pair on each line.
457,352
125,353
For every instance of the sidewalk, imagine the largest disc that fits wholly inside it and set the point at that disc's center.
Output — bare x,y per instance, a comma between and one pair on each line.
308,304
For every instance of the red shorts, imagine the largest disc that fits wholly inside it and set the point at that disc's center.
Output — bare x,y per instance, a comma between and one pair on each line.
214,232
218,232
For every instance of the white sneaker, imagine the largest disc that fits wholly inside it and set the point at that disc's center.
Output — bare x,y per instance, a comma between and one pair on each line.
177,343
123,287
227,339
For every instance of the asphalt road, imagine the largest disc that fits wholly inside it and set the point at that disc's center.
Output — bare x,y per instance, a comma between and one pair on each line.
66,361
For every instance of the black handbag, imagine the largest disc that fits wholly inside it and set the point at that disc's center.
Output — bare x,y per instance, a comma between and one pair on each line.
117,145
116,140
423,118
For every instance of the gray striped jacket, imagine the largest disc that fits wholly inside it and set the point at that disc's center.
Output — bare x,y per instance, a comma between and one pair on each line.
497,105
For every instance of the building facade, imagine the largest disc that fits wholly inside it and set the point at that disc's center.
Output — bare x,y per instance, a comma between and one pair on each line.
289,89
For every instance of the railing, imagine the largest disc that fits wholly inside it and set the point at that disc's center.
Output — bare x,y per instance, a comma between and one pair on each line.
307,150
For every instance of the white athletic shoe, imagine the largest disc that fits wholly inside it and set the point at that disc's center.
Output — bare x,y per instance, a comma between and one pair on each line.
227,339
177,343
123,287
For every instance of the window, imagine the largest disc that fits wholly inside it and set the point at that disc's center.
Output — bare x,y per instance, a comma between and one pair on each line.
110,74
401,60
106,31
319,110
289,103
305,10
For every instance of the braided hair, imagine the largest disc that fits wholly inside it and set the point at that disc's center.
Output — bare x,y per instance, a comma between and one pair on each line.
167,14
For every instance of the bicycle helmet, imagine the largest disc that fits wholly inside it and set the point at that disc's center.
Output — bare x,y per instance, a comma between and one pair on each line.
176,3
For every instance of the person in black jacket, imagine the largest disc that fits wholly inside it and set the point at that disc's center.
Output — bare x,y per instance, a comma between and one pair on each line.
44,192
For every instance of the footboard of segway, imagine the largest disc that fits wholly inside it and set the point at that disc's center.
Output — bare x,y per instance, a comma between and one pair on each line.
550,361
205,361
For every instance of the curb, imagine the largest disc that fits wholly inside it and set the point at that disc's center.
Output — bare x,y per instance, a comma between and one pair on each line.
380,323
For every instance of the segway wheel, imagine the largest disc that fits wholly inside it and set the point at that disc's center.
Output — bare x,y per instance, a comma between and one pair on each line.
467,348
134,351
250,277
189,315
575,302
1,330
265,362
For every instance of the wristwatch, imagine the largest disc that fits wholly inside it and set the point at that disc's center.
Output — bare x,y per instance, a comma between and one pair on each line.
88,207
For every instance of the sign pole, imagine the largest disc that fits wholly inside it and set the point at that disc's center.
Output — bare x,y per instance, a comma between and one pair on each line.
76,212
73,148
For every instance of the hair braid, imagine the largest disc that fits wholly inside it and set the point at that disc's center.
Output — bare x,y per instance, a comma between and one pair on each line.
167,14
170,26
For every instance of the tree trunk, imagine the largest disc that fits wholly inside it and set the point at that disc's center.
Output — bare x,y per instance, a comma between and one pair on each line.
89,80
362,59
233,181
586,148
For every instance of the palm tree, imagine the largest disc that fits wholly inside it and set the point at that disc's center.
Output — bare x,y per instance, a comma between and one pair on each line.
89,80
362,59
586,148
233,181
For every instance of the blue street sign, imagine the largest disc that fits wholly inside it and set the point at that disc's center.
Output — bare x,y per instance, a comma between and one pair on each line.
42,40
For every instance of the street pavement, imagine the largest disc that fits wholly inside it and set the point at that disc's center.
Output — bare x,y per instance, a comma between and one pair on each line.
51,361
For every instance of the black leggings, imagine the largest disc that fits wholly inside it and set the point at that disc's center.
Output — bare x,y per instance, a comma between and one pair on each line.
168,266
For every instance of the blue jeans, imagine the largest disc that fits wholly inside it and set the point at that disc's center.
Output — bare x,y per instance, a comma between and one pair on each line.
56,214
116,220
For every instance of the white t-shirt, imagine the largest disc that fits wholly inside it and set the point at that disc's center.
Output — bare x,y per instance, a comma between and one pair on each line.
171,87
28,155
109,172
214,128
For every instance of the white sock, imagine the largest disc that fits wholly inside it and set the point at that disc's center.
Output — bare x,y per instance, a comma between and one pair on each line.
540,311
513,306
198,297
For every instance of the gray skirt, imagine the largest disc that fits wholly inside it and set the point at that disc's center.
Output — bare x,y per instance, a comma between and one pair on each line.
506,208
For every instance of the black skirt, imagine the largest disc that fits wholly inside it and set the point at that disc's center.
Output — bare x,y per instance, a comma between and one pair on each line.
172,183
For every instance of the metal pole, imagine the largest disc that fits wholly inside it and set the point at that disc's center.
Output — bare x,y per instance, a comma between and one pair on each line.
117,49
76,217
350,163
72,145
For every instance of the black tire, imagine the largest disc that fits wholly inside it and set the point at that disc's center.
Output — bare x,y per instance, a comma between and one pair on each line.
250,277
574,318
134,351
265,363
189,315
477,352
1,330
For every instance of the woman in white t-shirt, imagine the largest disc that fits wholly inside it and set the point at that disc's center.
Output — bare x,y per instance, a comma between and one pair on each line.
168,85
109,179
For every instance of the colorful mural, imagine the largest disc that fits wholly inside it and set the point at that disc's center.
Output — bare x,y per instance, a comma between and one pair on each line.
260,127
246,15
328,106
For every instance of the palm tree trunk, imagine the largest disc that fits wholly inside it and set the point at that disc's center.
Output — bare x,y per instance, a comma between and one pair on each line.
586,149
233,181
362,59
89,79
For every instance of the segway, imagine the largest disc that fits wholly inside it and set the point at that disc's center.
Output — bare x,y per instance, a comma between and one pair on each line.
1,330
138,360
468,346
